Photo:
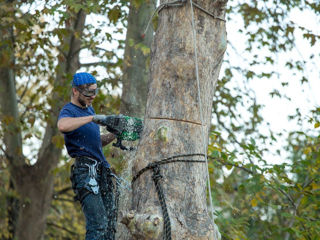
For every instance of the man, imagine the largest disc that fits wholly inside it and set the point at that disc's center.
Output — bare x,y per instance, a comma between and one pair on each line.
90,174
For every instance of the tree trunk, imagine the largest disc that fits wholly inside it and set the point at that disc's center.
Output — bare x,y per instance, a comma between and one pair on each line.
134,92
136,59
9,114
173,125
34,184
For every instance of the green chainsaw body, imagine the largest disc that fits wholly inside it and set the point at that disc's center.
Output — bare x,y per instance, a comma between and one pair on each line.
124,127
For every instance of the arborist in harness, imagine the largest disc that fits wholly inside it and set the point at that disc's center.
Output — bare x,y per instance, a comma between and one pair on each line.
91,175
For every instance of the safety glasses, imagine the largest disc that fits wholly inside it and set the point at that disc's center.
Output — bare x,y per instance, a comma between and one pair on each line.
88,92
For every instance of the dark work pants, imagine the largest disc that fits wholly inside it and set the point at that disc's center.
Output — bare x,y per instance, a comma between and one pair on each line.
99,209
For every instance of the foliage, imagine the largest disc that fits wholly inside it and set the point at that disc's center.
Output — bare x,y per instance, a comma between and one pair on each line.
255,200
39,30
261,201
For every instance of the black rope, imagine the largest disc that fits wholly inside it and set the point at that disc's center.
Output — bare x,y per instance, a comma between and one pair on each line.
166,219
155,166
168,160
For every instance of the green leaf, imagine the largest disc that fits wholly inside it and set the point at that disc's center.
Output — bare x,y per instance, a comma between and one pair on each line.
114,14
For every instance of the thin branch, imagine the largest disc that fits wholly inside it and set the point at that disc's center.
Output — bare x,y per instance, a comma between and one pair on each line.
63,199
288,197
229,131
89,47
102,49
25,90
62,191
61,227
105,64
232,164
27,107
5,153
59,49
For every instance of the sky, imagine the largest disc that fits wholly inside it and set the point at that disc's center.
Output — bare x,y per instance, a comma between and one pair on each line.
303,96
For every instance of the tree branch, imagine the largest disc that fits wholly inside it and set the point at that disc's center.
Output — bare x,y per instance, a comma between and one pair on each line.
5,153
232,164
62,191
61,227
59,49
63,199
26,107
105,64
24,91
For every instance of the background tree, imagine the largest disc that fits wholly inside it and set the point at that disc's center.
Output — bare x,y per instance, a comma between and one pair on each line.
136,58
47,57
33,183
134,90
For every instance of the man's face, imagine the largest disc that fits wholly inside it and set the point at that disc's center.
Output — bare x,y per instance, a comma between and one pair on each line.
86,95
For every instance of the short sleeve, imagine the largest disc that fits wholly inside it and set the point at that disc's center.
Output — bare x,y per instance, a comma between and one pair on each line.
65,112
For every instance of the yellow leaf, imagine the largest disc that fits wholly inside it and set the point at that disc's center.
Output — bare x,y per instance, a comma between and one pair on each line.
58,141
315,186
254,202
317,124
307,150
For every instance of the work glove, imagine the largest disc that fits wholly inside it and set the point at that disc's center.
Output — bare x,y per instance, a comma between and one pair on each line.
100,119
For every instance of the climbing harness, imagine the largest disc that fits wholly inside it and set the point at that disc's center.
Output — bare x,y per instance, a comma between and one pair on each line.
121,182
91,180
155,167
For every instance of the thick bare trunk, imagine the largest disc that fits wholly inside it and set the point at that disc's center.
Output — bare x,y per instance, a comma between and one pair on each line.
35,195
173,124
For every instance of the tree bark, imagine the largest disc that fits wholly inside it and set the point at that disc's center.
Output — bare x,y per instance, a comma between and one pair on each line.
172,125
9,114
136,61
34,184
134,92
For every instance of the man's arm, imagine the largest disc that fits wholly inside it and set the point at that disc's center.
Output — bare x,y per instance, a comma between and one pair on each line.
69,124
107,138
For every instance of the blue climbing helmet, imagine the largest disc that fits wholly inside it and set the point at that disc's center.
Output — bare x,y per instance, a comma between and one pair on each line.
82,78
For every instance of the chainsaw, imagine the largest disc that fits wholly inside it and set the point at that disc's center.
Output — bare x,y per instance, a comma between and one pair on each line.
123,127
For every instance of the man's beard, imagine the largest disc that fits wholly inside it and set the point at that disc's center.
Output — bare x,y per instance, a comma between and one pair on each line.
82,102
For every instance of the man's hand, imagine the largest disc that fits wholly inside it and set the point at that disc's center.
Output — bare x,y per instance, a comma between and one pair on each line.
100,119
